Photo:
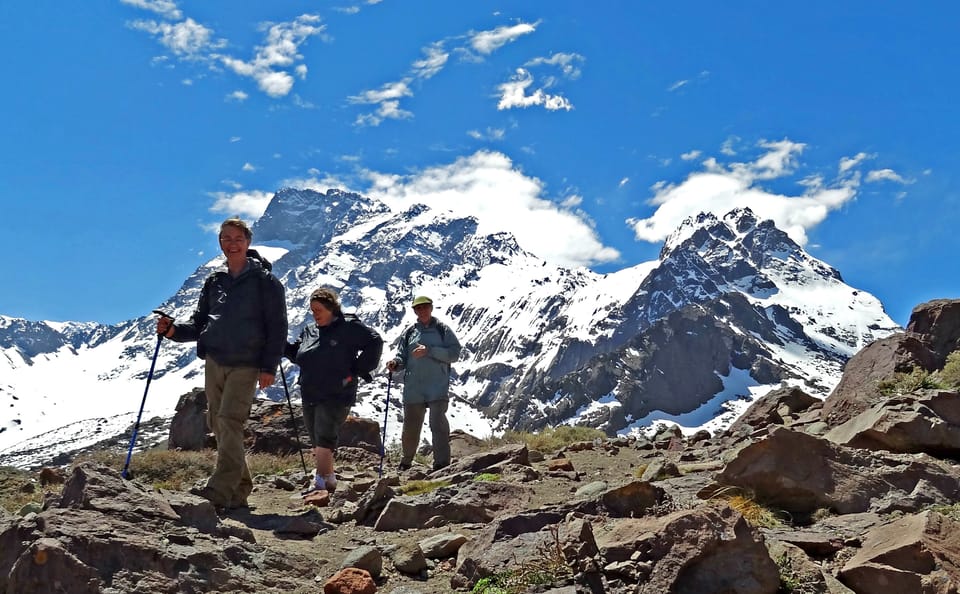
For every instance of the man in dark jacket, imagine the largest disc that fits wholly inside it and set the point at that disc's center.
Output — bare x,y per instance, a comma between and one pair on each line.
240,326
426,351
332,355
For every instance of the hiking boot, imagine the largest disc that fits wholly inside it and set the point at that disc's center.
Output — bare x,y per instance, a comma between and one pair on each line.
405,466
207,493
438,465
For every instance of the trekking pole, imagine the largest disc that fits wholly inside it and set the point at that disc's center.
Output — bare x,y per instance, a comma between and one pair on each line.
136,426
383,437
293,419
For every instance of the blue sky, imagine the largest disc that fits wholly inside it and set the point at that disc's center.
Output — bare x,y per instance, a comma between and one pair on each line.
588,129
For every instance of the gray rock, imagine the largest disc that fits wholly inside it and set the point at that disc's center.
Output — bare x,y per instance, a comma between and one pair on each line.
442,546
367,558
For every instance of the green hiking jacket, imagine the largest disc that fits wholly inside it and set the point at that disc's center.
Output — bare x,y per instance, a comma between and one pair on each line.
427,379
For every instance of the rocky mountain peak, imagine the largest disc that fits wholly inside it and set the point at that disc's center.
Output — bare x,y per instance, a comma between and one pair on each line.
543,344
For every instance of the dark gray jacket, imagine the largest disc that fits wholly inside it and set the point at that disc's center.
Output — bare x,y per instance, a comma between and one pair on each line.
332,357
239,322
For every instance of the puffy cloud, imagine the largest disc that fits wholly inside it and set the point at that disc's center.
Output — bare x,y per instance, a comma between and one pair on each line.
280,50
187,39
691,155
847,163
886,175
486,42
433,63
246,205
568,63
486,185
238,96
513,93
721,188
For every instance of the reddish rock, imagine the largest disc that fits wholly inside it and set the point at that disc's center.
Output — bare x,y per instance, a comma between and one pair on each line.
350,580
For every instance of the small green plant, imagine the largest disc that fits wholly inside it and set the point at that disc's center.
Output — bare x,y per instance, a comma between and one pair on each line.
550,568
791,580
951,511
421,487
486,477
950,374
904,383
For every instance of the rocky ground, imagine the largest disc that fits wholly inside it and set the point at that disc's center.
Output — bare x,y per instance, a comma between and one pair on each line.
858,493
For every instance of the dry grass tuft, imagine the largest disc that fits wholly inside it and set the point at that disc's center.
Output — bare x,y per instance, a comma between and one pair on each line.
550,439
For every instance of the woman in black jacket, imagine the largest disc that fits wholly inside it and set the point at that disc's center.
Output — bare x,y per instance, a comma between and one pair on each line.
332,355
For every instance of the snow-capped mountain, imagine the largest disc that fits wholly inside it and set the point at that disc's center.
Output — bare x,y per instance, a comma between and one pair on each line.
731,308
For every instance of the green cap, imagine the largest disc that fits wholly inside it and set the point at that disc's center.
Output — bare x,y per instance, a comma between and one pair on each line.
420,300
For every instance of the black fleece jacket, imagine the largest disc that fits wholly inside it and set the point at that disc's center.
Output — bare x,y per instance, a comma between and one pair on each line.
332,357
239,322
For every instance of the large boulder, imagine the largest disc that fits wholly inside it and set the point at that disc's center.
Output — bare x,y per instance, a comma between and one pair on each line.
188,429
918,553
926,421
879,361
932,333
777,407
938,322
708,550
110,534
800,473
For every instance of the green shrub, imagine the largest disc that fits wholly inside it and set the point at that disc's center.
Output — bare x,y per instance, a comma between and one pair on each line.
950,374
904,383
486,477
550,568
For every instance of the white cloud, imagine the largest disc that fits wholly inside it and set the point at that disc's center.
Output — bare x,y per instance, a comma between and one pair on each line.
490,134
388,110
513,93
347,9
886,175
677,85
238,96
248,167
727,147
847,163
250,204
720,189
486,185
165,8
566,62
624,182
486,42
690,156
387,92
280,50
187,39
433,63
235,139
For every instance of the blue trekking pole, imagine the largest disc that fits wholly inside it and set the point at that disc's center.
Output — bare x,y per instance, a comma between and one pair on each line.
383,438
136,427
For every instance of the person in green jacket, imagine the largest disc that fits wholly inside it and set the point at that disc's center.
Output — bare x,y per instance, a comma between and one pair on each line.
425,353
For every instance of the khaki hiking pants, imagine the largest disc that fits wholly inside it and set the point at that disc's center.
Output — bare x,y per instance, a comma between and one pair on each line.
230,393
413,415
